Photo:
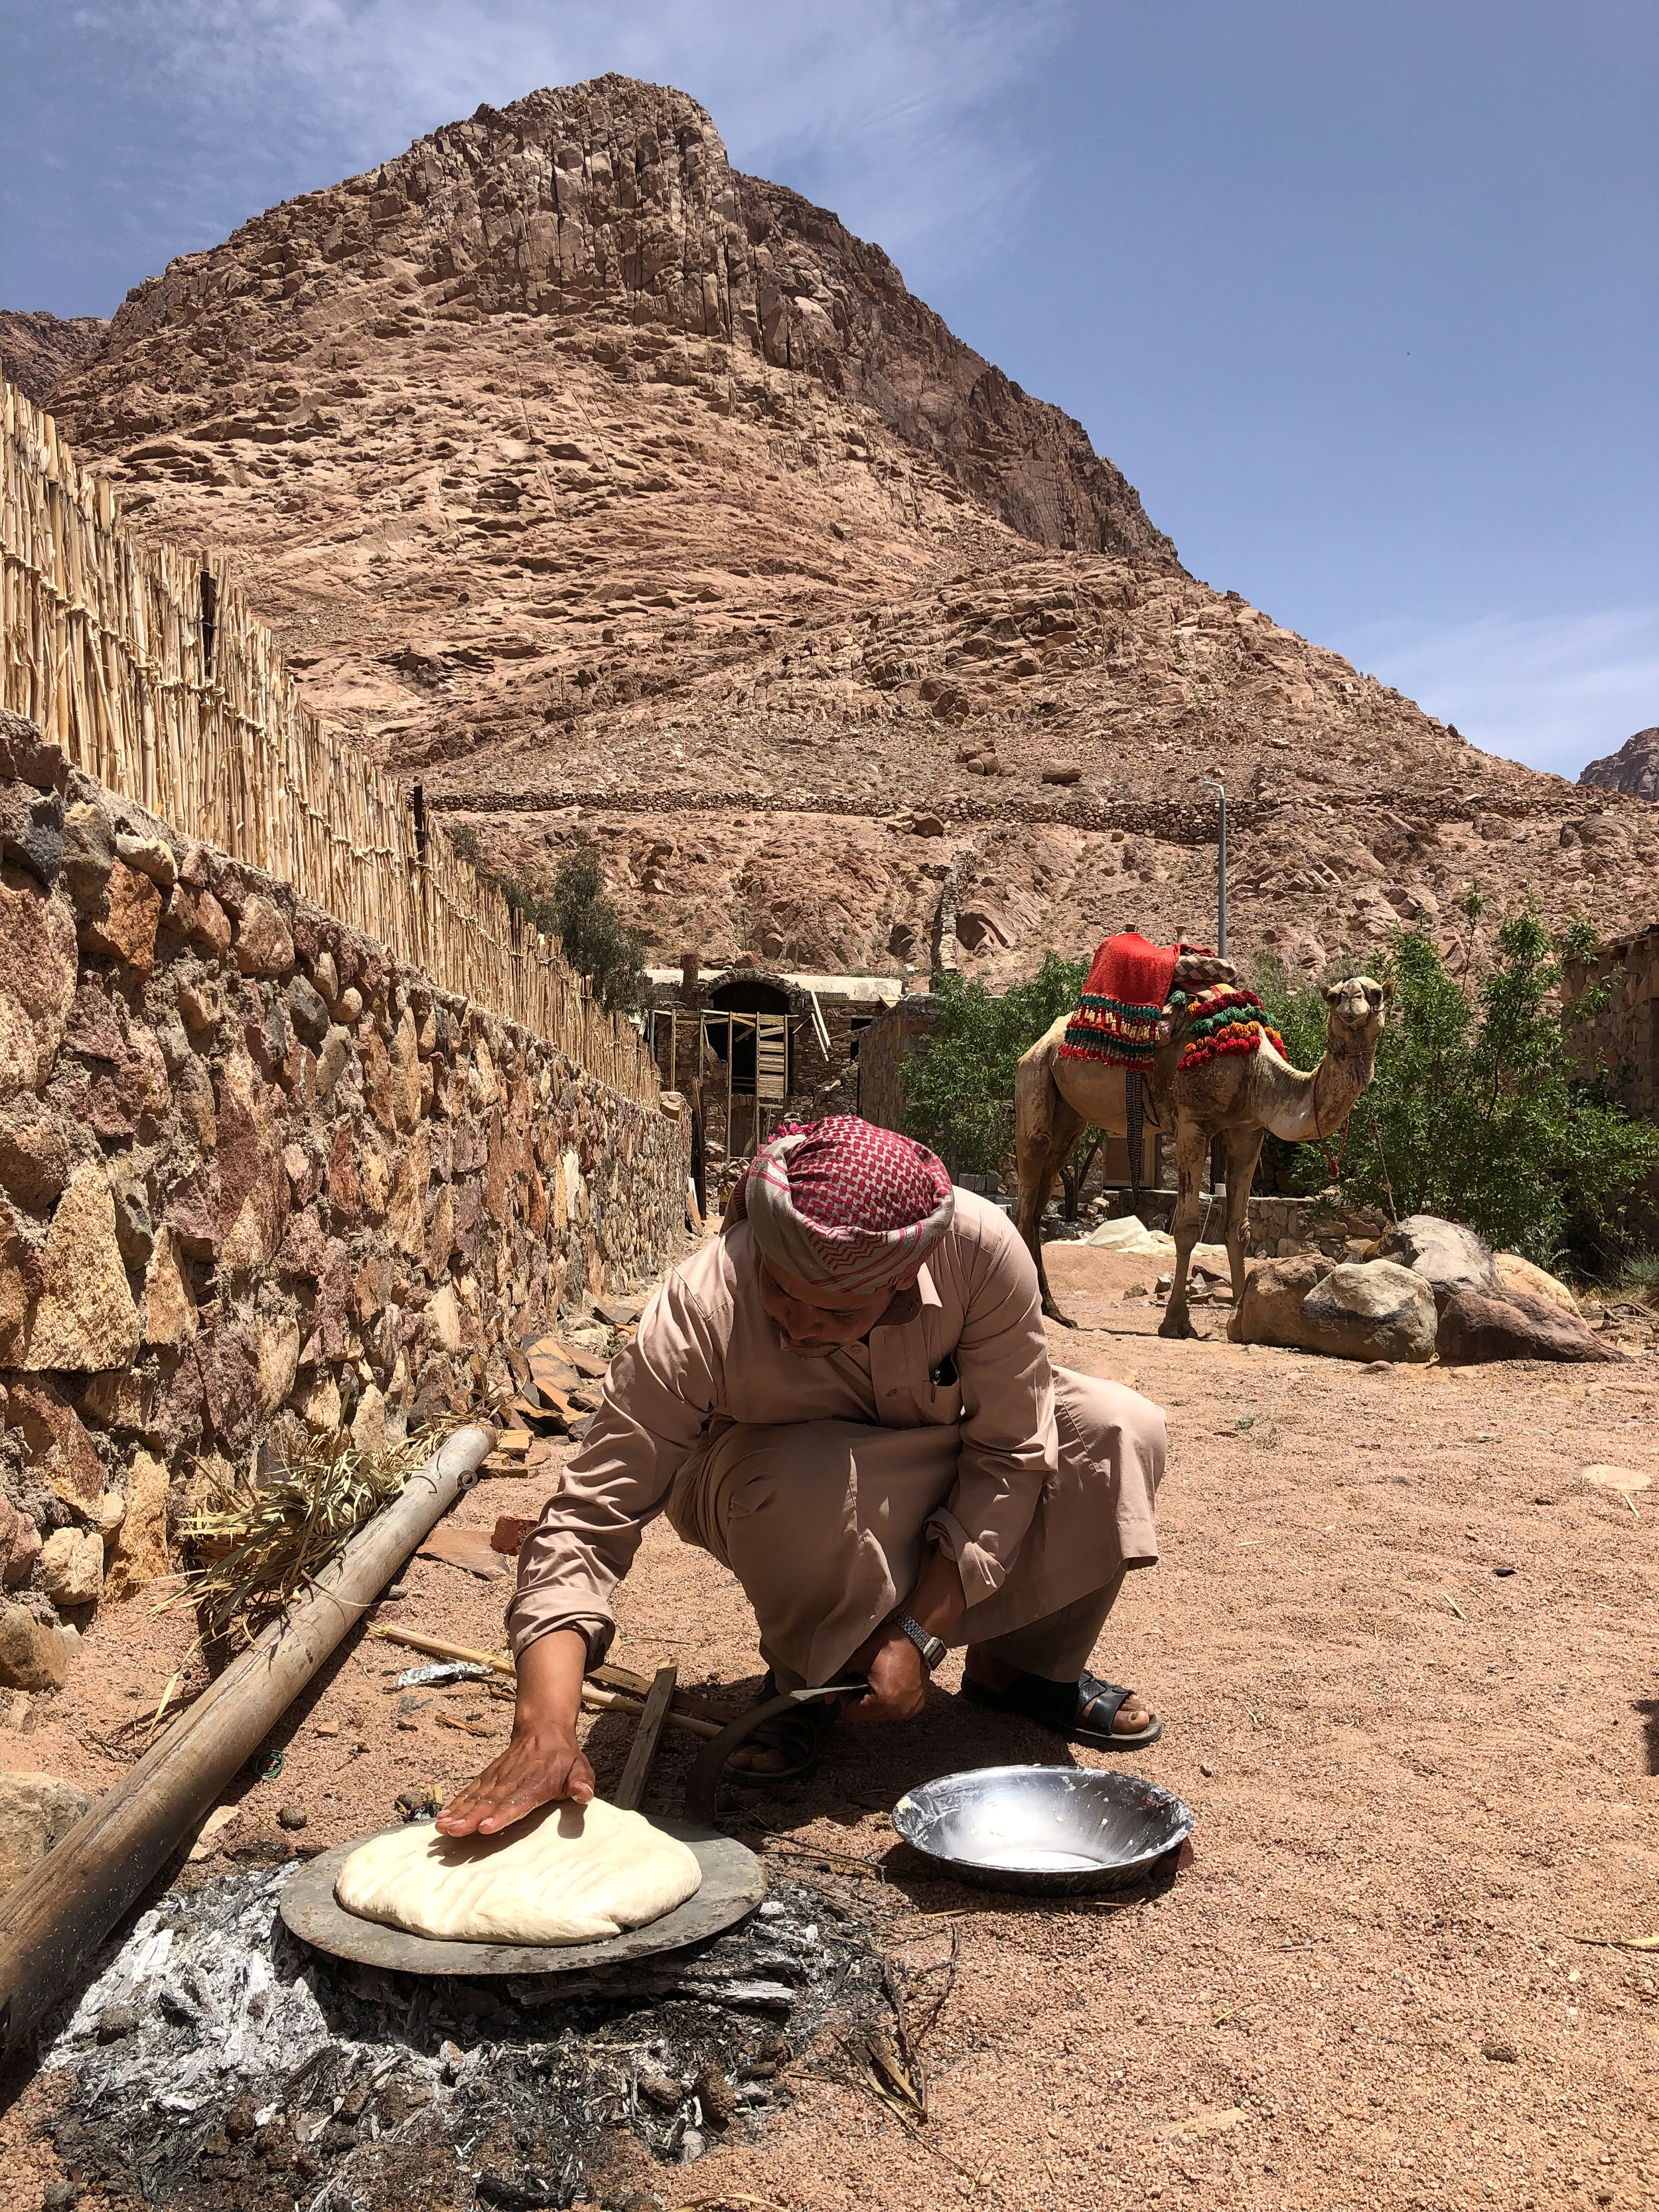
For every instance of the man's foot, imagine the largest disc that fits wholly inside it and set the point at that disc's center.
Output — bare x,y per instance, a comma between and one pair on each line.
785,1748
1088,1711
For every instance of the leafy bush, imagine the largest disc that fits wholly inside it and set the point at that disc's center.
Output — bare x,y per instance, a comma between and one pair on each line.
597,942
1478,1112
959,1087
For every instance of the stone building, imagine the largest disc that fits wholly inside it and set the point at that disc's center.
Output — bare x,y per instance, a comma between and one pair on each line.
775,1043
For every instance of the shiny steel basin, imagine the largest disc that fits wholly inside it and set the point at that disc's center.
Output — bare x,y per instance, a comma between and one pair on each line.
1053,1830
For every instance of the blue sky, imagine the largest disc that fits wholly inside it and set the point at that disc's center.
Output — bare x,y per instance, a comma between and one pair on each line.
1363,299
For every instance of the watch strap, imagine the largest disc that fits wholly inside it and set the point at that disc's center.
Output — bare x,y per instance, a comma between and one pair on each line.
932,1648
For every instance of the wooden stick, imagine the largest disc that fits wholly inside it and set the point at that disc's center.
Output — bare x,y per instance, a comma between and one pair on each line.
648,1737
618,1701
609,1688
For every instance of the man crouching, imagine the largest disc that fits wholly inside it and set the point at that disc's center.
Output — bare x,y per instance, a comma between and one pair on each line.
846,1398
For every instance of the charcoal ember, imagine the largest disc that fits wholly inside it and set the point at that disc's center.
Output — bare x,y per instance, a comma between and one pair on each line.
717,2097
239,2121
116,2021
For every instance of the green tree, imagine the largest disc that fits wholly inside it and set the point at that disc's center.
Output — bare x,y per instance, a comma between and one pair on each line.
959,1087
1479,1111
596,940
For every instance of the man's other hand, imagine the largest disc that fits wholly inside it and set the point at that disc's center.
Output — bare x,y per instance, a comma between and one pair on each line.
892,1665
534,1768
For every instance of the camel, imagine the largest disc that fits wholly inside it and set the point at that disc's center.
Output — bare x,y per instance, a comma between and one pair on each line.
1238,1097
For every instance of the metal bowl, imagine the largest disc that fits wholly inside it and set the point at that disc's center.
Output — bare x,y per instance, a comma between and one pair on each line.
1053,1830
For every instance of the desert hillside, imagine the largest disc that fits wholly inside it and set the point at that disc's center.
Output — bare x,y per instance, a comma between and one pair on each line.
595,484
38,351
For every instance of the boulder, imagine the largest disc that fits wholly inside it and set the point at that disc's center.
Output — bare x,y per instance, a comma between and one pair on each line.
140,1553
265,946
1478,1325
123,925
1515,1274
1270,1312
58,1443
37,984
72,1566
148,856
84,1321
24,1549
36,1811
1062,772
1365,1309
34,1656
1444,1253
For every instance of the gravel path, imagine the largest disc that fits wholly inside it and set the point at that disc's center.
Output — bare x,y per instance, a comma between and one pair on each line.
1404,1655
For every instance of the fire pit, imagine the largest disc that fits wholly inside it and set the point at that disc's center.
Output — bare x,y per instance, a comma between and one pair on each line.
220,2063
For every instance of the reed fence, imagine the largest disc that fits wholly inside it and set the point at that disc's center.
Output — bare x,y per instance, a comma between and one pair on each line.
145,664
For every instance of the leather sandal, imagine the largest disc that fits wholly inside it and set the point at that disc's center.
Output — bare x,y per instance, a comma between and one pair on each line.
798,1734
1083,1711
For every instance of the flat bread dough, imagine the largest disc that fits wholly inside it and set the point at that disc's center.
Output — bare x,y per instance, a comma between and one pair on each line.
569,1873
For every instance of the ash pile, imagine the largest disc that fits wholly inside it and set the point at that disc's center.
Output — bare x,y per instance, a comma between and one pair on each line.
220,2063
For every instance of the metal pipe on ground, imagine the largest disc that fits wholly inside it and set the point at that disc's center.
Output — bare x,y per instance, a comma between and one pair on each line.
55,1918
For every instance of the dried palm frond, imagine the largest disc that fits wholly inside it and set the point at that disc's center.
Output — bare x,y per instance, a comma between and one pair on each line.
253,1543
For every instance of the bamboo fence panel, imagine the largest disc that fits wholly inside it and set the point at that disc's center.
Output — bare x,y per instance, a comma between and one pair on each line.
146,665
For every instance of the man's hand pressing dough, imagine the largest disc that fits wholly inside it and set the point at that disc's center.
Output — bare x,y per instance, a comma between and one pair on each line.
537,1768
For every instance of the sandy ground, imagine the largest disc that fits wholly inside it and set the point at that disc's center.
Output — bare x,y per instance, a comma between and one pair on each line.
1404,1654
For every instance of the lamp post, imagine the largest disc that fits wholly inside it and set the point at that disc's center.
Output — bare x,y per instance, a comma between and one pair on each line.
1213,783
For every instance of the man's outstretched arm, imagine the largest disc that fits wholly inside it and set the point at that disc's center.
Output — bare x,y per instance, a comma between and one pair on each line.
543,1762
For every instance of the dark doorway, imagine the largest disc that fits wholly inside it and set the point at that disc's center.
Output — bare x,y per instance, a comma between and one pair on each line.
747,995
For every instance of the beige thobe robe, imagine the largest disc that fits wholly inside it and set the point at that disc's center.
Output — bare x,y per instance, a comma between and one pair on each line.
820,1482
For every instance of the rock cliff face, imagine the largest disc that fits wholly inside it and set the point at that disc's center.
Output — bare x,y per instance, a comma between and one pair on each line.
604,488
38,351
613,202
1634,768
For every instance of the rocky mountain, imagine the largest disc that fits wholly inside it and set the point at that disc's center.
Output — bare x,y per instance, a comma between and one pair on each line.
1634,768
37,350
600,487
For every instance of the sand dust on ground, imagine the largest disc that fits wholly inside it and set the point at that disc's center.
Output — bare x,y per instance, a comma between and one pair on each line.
1404,1655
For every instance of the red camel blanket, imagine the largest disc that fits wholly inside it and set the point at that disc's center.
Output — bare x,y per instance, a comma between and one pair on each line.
1126,992
1117,1018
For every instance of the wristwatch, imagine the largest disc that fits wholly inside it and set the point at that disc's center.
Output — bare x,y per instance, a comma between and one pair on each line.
932,1648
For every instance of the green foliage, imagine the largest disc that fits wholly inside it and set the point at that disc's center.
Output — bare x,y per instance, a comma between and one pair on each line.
960,1088
597,942
1483,1116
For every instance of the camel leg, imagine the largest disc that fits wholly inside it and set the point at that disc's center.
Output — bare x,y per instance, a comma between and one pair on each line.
1191,1147
1243,1150
1045,1129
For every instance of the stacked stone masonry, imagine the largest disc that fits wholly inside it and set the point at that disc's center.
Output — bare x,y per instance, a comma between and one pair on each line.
259,1179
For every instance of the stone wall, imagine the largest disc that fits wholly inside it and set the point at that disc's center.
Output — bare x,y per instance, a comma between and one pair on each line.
259,1180
1623,1039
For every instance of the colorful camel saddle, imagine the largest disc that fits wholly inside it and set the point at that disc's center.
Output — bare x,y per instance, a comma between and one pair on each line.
1131,985
1221,1019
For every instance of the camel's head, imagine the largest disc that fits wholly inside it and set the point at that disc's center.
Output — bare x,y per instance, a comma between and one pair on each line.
1358,1008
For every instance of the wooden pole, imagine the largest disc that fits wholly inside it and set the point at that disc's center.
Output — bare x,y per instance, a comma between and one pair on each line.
53,1922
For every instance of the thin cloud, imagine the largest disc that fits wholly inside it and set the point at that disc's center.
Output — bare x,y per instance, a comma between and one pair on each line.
1552,691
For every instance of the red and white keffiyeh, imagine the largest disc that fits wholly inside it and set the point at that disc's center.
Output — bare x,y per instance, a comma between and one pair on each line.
844,1203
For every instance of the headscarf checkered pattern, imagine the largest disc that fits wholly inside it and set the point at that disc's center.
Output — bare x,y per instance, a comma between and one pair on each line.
845,1204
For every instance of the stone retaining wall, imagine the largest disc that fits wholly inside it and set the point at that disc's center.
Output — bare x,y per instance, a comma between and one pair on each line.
257,1178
